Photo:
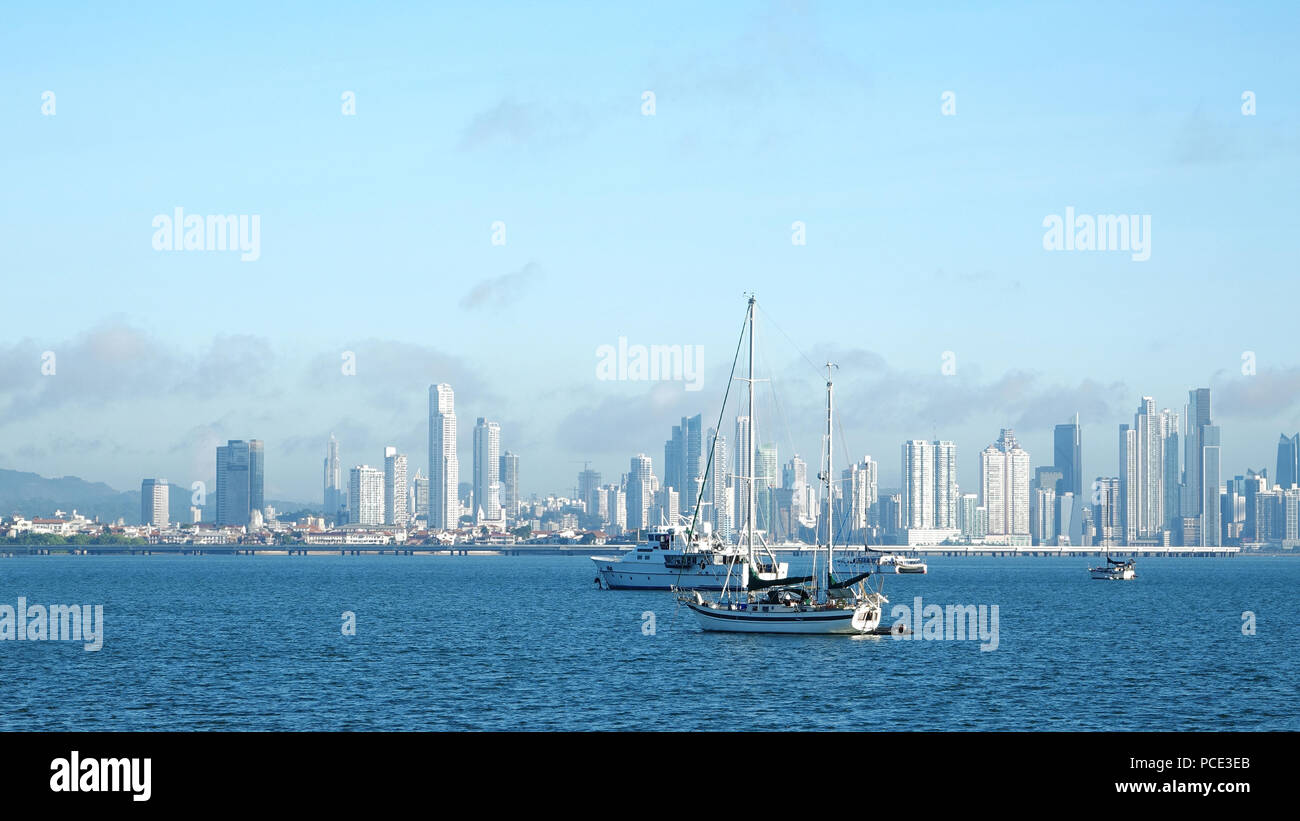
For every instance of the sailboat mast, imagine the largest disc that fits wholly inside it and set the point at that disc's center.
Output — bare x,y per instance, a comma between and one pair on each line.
749,504
830,472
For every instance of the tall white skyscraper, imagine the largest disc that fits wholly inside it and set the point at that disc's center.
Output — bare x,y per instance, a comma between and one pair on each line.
487,471
334,496
744,459
366,496
640,492
1004,486
945,484
918,484
1150,458
1128,483
861,483
395,487
444,465
154,500
720,488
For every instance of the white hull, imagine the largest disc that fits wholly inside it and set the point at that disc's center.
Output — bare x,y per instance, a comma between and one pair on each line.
616,574
1111,575
782,619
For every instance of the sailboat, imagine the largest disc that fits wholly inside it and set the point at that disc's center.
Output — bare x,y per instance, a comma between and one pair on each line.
1115,570
680,557
814,604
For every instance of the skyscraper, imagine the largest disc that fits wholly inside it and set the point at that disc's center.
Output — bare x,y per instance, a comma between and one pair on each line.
1067,452
1197,417
366,496
918,484
720,489
1004,486
233,485
945,484
684,460
1128,483
1150,462
395,487
640,491
444,465
333,479
1211,521
154,499
765,482
420,496
1288,461
1172,473
487,471
256,476
744,455
509,474
588,488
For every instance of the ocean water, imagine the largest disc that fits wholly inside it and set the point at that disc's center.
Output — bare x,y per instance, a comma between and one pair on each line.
496,643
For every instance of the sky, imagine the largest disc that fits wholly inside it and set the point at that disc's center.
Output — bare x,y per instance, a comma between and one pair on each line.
381,230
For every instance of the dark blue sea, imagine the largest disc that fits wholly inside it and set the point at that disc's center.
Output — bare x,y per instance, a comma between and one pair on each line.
493,643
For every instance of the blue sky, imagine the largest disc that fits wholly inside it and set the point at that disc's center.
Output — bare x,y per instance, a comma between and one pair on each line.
924,231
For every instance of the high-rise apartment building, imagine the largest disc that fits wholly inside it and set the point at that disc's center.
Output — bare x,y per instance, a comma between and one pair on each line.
444,465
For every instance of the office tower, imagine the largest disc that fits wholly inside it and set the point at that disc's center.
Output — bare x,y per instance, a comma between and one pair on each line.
1043,520
860,485
366,496
1152,431
444,465
966,518
666,507
588,486
1069,522
616,504
1004,486
509,473
233,484
256,475
1255,486
945,484
1211,520
918,484
1106,517
1197,417
1067,452
640,479
420,496
1128,483
1171,474
683,460
394,487
154,499
1288,461
765,482
744,455
720,487
333,479
487,471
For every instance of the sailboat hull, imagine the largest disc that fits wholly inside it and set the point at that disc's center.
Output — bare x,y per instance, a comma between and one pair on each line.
781,619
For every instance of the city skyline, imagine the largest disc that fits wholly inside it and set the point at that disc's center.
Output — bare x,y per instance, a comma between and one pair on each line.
583,181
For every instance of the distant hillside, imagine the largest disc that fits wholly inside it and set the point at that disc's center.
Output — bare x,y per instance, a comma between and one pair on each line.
31,495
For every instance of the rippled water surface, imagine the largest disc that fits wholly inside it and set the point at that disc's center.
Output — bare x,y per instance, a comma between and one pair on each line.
218,643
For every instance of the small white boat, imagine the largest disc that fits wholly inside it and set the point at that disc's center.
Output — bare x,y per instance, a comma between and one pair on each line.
906,565
1115,570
